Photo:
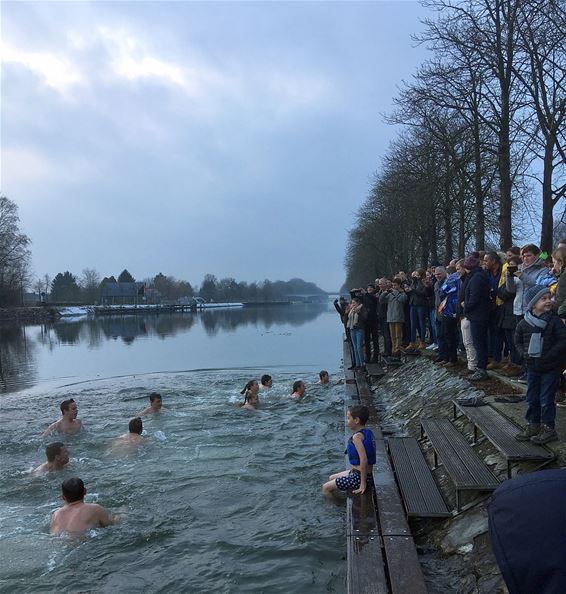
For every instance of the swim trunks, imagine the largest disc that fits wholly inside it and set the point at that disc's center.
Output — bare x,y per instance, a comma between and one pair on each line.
351,481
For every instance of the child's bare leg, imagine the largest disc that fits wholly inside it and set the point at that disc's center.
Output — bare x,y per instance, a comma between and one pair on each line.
329,487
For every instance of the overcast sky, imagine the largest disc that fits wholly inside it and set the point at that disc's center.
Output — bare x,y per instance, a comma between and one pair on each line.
236,139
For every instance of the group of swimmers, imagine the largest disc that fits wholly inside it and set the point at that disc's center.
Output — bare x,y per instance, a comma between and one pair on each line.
251,390
76,516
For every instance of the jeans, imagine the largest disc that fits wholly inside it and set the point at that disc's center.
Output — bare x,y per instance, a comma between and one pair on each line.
386,337
479,338
448,340
418,314
358,344
372,339
541,388
433,326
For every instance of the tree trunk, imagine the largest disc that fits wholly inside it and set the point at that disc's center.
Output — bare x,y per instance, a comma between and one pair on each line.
547,223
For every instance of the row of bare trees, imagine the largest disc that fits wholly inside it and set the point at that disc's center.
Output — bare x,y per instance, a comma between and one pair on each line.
14,254
481,153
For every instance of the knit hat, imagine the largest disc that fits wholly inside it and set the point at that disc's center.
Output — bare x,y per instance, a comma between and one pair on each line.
472,261
533,294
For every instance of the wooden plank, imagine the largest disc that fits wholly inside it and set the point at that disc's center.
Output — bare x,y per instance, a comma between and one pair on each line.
421,495
404,568
500,431
389,507
466,469
365,567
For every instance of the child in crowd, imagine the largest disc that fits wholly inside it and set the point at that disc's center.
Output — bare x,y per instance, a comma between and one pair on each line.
395,300
540,339
361,454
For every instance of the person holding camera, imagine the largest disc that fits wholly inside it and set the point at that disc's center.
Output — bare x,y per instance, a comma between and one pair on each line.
356,324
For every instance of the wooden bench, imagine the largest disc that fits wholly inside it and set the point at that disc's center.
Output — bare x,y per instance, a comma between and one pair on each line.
421,495
467,471
500,431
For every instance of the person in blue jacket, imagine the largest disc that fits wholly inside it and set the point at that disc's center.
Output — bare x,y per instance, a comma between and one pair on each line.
448,320
361,455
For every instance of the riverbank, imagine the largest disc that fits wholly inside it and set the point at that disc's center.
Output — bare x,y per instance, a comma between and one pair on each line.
28,315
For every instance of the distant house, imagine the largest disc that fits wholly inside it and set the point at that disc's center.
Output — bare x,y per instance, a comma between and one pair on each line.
121,293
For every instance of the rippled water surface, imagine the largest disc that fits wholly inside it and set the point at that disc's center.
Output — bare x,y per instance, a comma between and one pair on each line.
221,500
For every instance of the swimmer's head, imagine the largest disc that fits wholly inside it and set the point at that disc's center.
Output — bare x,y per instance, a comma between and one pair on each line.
155,400
299,387
57,450
358,413
251,386
73,489
267,381
69,408
323,375
135,426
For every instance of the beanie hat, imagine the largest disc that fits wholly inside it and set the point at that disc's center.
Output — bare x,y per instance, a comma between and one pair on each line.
472,260
533,294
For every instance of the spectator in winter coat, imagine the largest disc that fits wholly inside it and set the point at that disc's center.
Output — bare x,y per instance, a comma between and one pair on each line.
507,321
476,309
559,271
384,286
396,300
496,275
448,329
356,322
541,340
371,338
418,307
526,277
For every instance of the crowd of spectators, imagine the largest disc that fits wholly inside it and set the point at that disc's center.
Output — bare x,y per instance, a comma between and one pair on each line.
472,306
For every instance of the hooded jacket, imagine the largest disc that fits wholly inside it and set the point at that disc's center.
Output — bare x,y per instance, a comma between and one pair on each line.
528,279
528,532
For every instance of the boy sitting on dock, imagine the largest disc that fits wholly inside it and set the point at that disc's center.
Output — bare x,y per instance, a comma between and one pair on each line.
361,454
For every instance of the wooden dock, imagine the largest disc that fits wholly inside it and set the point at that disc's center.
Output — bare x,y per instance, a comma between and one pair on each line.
381,553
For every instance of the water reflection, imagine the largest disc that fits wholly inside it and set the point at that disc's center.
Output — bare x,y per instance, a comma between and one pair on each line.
19,345
17,356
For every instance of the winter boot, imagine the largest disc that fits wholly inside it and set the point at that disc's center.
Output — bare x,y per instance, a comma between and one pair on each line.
528,432
545,435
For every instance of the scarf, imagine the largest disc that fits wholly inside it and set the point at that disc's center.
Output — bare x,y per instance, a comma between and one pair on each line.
535,344
353,318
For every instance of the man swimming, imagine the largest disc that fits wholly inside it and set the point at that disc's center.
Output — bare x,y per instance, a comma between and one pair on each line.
76,516
128,442
57,458
68,423
155,404
266,382
324,378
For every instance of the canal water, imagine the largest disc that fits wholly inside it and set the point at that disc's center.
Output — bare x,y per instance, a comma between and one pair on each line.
221,499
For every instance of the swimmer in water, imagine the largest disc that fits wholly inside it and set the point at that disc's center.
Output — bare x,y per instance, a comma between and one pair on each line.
57,458
76,516
155,404
251,396
324,378
298,390
130,441
266,382
68,423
